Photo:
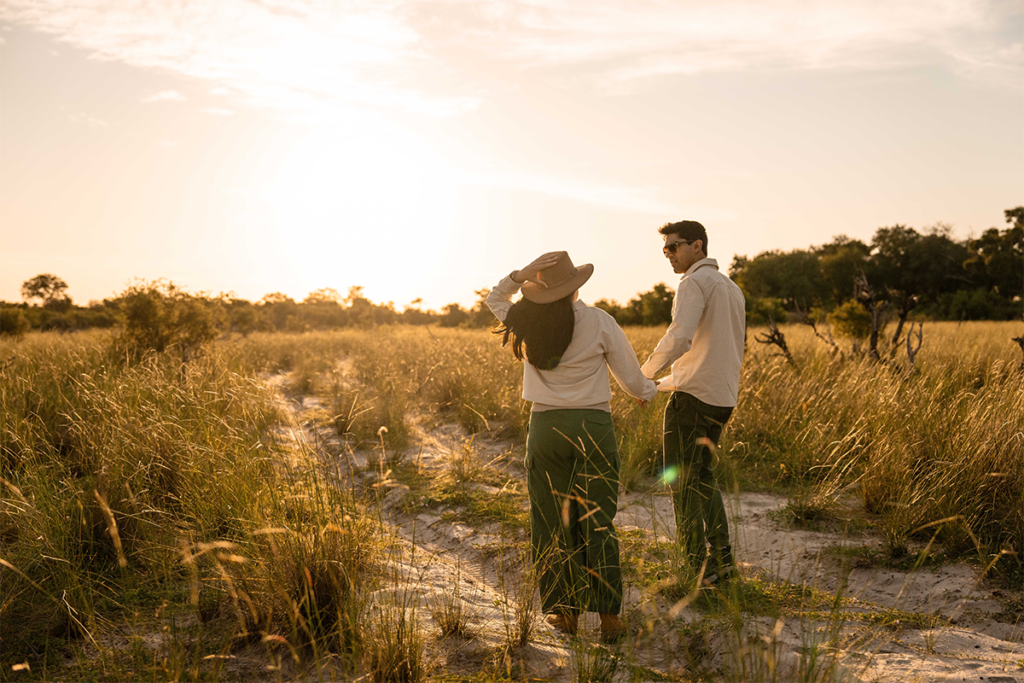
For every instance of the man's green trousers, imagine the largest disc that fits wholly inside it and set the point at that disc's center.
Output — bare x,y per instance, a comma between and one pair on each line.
692,431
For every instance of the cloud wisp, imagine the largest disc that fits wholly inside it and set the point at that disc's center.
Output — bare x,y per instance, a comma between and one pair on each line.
164,96
634,199
91,121
306,55
625,40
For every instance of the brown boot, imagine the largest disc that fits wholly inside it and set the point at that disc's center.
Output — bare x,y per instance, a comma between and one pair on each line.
566,623
612,628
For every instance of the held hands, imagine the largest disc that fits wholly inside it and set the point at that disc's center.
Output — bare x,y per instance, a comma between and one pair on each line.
641,402
531,273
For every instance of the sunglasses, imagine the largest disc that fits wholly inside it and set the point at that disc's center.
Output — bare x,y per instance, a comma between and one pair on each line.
671,247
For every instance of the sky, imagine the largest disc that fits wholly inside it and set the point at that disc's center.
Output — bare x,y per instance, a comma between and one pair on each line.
423,149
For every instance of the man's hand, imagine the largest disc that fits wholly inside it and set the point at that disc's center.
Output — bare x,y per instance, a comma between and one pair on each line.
640,402
531,273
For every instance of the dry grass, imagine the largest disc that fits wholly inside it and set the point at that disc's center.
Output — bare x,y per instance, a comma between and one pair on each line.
144,488
943,442
940,446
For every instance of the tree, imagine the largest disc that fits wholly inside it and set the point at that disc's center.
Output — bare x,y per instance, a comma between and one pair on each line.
656,305
50,289
794,277
322,309
761,311
851,320
278,309
978,304
648,308
613,309
840,261
480,315
453,316
996,258
324,295
904,263
242,316
157,316
414,315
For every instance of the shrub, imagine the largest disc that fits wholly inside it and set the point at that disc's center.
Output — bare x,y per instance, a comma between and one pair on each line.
159,315
760,310
851,320
13,321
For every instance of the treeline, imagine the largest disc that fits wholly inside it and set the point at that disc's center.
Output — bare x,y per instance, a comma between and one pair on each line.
50,308
979,278
936,276
940,278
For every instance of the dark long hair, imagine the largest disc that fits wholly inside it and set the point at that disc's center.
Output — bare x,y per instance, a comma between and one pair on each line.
544,329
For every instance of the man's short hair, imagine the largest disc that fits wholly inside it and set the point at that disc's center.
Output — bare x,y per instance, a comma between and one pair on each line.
687,230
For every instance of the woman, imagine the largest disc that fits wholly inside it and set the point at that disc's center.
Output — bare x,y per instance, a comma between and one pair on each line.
572,460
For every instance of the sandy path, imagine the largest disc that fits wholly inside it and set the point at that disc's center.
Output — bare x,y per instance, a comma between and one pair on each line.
472,561
982,644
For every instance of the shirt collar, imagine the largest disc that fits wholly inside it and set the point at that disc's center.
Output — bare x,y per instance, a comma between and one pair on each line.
578,305
700,264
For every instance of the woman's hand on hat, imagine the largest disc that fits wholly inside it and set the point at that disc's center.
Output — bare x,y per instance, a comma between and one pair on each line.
531,273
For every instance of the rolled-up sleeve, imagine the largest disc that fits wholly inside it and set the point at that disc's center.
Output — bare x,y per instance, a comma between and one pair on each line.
687,310
624,366
499,299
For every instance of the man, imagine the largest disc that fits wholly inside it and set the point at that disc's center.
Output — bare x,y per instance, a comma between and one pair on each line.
704,348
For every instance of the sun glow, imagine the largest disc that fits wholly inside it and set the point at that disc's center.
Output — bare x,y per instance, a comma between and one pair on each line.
420,149
346,198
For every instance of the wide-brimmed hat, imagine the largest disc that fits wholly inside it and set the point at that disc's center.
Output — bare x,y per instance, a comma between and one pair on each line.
562,279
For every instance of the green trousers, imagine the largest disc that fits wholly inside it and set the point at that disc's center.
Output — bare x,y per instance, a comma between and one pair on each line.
572,465
692,431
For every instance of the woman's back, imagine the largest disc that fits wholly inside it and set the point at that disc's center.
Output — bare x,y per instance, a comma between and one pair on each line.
581,377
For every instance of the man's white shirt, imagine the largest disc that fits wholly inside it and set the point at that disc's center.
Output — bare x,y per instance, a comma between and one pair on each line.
704,344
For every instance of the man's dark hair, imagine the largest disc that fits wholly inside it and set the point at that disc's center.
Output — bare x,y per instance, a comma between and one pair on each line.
544,329
687,230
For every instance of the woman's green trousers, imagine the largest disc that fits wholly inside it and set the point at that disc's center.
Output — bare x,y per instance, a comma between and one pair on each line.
572,464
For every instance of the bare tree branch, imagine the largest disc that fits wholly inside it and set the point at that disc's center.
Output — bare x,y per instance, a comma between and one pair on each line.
906,303
806,318
866,296
911,348
775,337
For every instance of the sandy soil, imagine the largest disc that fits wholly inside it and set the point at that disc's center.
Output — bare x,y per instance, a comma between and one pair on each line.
479,564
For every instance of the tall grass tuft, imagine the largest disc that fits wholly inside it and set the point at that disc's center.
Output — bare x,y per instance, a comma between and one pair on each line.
106,464
395,647
451,614
120,482
591,664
